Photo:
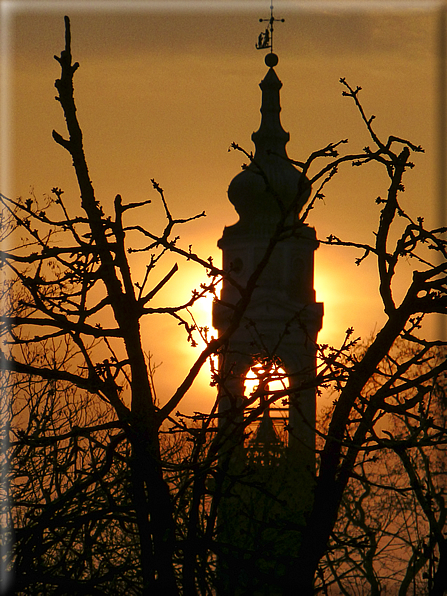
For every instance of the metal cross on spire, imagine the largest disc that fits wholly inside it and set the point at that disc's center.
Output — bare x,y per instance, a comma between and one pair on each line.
265,39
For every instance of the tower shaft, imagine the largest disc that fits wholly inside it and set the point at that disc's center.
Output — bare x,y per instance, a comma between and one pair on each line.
267,495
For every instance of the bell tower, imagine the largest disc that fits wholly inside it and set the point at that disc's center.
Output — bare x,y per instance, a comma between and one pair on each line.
283,318
280,327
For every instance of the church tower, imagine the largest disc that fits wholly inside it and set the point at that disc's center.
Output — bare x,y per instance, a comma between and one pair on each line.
270,462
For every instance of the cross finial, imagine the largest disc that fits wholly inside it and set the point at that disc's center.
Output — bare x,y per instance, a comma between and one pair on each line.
265,39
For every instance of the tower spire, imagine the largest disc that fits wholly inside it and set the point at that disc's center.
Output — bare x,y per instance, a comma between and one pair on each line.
265,38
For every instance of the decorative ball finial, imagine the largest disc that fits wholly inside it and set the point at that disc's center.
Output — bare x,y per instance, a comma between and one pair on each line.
271,60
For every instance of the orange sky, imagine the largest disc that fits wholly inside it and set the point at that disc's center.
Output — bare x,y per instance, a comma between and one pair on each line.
165,87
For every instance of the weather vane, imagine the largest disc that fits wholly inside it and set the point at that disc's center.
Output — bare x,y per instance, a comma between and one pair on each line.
265,39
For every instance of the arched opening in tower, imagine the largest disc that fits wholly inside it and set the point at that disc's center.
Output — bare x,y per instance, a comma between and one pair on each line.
266,385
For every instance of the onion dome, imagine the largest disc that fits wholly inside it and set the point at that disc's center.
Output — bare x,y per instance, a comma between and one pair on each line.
258,206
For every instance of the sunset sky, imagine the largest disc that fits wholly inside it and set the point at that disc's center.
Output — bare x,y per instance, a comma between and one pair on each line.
164,88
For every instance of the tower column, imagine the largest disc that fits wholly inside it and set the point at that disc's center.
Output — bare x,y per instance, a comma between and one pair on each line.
267,494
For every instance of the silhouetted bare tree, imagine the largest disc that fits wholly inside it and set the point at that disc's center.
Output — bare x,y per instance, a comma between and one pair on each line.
86,412
357,411
389,532
109,492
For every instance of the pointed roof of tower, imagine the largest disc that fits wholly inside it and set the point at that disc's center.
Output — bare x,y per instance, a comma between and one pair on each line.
270,183
270,137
